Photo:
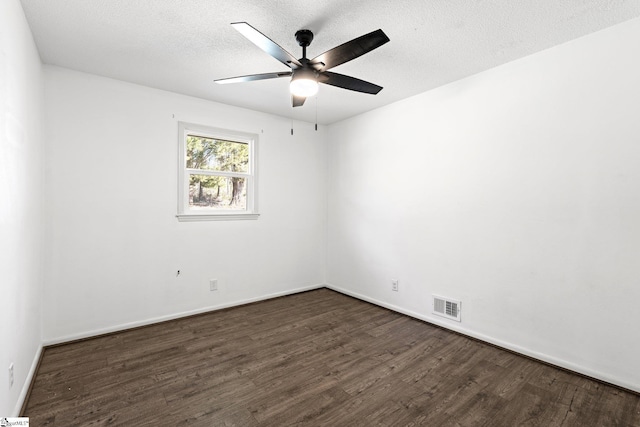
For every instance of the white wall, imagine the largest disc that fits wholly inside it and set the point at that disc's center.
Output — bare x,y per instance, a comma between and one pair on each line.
115,243
21,207
516,191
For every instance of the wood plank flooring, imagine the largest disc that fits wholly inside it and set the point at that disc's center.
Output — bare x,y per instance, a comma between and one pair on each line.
317,358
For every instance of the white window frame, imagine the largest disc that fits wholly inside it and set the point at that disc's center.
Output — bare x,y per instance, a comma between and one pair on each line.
185,213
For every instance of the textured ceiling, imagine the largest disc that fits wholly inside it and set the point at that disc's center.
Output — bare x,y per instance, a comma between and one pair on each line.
183,45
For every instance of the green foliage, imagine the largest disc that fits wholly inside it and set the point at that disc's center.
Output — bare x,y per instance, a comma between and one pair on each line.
216,155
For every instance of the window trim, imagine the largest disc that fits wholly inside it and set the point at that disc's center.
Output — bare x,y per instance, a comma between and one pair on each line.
187,214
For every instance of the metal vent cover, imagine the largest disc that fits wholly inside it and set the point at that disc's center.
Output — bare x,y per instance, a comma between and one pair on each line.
446,307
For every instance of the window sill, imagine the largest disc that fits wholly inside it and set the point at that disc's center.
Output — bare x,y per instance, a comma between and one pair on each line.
216,217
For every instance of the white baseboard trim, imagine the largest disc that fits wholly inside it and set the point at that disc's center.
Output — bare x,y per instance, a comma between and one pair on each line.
507,345
125,326
27,383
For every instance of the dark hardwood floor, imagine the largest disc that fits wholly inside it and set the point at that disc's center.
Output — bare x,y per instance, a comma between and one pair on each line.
317,358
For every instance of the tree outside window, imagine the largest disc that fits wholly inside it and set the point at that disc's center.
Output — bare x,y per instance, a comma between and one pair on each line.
217,172
215,191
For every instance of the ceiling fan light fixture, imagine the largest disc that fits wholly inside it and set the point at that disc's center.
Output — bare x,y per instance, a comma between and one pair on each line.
304,83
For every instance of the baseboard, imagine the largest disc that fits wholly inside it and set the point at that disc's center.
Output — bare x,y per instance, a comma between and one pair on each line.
159,319
545,358
28,384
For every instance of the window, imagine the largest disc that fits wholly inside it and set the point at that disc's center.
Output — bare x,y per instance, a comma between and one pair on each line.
217,174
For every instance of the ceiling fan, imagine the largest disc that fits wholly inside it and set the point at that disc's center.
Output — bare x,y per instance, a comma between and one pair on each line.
307,73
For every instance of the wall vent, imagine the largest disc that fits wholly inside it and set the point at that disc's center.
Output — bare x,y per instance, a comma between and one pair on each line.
446,307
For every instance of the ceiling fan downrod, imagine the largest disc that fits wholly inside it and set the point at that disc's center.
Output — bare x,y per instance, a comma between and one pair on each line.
304,39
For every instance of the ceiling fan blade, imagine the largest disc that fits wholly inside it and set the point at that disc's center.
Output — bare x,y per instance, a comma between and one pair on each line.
347,82
253,77
266,44
297,101
351,50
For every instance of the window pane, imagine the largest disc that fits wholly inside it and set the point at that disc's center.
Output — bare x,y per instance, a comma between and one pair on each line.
217,192
217,154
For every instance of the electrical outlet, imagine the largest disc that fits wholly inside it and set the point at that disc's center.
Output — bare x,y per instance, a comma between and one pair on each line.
11,375
213,284
394,285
